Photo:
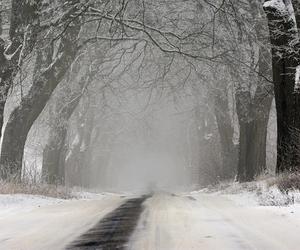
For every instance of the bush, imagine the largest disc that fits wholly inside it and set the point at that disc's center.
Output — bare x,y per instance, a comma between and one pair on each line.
287,182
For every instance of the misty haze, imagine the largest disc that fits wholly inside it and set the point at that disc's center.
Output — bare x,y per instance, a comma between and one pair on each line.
149,124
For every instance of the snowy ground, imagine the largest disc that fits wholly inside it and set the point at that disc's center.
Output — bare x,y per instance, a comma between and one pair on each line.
231,218
14,204
37,223
207,221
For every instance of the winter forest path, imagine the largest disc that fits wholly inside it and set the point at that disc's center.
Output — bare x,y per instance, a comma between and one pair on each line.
160,222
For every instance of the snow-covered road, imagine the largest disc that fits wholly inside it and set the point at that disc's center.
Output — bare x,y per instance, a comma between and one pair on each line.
52,226
168,222
214,222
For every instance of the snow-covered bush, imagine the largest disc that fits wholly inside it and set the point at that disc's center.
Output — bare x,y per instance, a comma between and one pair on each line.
272,196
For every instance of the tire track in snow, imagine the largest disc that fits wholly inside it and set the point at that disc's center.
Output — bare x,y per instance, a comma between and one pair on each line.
114,230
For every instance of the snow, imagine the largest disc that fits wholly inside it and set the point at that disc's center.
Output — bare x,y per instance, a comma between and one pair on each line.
276,4
253,194
19,203
89,195
16,203
204,220
11,204
35,222
284,8
297,79
231,216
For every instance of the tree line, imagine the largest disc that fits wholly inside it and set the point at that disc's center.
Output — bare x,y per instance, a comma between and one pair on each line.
233,59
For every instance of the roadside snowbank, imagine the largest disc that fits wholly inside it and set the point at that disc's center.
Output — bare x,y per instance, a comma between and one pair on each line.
15,203
20,203
258,193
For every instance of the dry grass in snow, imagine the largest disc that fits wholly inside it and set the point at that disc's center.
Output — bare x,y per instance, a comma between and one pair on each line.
36,189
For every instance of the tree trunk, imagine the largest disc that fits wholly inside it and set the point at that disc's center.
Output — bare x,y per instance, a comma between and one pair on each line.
285,59
54,153
253,122
244,113
226,132
252,149
53,157
24,20
78,159
48,74
65,108
258,152
254,112
288,110
54,167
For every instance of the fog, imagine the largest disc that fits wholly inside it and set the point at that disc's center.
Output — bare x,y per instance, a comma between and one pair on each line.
138,142
150,156
163,108
148,149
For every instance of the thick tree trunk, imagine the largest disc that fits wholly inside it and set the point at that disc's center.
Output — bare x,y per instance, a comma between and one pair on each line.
253,125
244,113
24,22
65,108
252,149
257,154
254,112
53,157
78,160
288,110
226,132
5,83
285,59
54,153
245,141
48,74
